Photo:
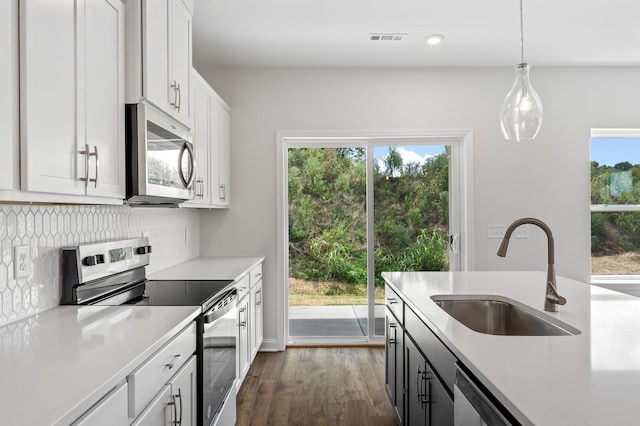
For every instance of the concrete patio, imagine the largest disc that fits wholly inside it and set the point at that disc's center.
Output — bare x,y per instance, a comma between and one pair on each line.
328,321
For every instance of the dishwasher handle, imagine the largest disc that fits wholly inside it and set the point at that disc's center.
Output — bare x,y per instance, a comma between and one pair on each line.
472,406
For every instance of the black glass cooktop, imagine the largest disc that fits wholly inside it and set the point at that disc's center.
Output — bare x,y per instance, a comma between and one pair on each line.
183,293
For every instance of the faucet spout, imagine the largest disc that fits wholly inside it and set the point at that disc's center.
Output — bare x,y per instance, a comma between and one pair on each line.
552,298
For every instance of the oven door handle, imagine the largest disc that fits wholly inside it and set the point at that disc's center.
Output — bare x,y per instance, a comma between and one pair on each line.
216,312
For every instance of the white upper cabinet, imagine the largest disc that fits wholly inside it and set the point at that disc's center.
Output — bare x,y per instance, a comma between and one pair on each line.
223,161
72,97
9,82
211,139
201,143
159,55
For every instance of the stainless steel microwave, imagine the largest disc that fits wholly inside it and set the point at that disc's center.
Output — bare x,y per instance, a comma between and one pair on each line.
160,161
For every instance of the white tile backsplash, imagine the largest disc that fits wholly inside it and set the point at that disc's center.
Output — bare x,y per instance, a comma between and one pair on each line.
173,233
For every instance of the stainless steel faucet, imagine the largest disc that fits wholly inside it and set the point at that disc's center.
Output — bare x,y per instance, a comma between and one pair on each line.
552,298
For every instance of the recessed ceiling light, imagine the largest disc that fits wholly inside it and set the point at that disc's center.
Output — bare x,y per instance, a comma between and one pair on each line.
434,39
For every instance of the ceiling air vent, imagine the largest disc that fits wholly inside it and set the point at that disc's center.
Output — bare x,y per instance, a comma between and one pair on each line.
387,36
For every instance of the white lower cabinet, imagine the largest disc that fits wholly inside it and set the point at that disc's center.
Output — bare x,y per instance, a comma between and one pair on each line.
109,411
184,395
176,402
243,349
163,390
250,321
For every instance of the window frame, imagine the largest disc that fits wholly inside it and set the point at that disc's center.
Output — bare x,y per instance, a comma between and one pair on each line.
610,208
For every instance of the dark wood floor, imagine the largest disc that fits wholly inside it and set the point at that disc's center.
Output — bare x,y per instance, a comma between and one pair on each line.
316,386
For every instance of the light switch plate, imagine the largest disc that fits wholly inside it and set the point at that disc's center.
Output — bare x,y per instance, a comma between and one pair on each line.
496,231
21,261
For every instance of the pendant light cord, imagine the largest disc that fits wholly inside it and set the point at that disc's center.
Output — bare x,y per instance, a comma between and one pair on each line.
521,35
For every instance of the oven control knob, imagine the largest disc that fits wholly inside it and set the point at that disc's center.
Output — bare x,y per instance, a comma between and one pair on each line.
93,260
143,250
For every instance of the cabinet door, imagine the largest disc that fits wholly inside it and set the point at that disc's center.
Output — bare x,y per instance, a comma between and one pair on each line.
244,354
9,83
201,142
394,373
417,380
427,401
180,60
49,154
224,156
185,395
159,412
110,411
256,319
100,104
440,402
155,54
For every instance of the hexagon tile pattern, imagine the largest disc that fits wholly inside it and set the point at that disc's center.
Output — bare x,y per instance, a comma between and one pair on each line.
173,233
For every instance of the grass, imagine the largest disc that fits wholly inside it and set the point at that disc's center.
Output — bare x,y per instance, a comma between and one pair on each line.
323,293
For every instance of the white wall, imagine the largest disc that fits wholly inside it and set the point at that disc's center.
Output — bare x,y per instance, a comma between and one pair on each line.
547,179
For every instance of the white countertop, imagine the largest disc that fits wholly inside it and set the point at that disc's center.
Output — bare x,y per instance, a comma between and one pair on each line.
55,365
589,379
208,268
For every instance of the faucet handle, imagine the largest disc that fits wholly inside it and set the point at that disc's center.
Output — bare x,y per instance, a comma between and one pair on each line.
553,296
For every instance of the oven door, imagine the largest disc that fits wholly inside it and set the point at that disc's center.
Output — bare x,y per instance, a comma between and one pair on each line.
219,358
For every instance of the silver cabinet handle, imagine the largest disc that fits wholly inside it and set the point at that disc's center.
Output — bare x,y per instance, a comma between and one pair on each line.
87,155
259,302
95,152
222,193
173,404
171,364
174,86
242,324
176,416
179,103
202,189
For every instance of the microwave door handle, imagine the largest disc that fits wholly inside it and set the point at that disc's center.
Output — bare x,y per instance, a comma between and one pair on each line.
185,181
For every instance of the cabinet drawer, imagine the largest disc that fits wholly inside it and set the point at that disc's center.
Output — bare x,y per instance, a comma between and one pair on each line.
440,358
148,379
242,285
394,303
255,275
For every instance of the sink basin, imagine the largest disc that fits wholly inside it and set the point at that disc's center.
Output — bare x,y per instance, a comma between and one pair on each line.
502,316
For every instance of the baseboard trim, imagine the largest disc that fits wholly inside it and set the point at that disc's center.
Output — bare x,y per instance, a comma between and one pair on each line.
270,345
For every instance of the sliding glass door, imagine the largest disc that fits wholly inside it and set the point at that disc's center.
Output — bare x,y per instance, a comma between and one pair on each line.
355,209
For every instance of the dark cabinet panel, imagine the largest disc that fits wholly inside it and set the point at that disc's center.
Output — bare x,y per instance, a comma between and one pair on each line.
440,358
394,363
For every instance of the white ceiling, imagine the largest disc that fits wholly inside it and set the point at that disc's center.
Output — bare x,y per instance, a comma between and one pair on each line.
477,32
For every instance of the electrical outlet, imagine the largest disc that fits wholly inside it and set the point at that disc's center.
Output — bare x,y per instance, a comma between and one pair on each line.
522,231
21,262
496,231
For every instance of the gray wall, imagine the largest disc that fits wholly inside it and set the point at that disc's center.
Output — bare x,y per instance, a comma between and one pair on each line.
547,179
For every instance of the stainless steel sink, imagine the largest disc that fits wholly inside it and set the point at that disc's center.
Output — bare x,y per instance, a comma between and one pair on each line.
497,315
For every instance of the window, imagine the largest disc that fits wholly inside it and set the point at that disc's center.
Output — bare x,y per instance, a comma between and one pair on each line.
615,205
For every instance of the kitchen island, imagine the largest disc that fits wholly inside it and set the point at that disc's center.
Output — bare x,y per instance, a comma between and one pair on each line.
592,378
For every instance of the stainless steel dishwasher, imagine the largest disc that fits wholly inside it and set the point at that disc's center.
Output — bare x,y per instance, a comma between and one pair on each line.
472,407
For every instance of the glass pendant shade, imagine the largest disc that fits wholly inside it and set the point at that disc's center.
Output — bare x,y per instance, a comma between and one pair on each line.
521,113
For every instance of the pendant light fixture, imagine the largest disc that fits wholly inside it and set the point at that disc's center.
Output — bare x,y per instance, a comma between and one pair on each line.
521,113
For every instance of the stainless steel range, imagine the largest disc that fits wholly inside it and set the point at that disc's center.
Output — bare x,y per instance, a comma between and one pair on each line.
113,273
